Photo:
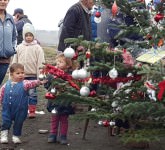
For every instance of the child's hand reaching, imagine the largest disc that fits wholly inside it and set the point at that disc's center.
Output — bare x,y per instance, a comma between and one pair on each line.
43,81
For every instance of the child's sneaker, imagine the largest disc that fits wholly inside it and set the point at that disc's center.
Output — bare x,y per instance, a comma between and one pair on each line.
63,140
16,139
4,137
52,138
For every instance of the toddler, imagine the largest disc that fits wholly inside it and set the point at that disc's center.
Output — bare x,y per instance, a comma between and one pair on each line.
14,99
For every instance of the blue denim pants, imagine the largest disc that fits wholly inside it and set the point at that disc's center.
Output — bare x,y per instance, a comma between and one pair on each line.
32,93
3,70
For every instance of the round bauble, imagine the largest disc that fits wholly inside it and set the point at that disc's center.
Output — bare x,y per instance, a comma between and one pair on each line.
106,123
69,52
113,73
41,77
53,90
75,74
82,73
112,123
93,109
97,19
98,14
84,91
100,123
114,104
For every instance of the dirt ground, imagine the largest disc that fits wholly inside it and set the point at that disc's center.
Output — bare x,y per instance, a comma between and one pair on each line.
97,137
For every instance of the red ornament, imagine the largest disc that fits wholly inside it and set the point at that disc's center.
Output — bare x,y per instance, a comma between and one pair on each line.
114,9
80,48
158,17
106,123
88,54
75,56
149,37
92,93
161,90
98,14
49,96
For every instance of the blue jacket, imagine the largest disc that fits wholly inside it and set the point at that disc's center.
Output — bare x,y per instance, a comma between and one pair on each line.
8,35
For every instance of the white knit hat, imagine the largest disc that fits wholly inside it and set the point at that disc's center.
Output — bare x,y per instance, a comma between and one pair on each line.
28,28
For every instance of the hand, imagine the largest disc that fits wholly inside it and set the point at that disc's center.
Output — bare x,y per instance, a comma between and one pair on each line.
43,81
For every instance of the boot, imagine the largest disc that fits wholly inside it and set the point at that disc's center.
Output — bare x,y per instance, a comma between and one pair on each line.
4,137
63,140
32,109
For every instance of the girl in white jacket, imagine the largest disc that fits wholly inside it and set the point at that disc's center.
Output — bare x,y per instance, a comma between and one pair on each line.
31,55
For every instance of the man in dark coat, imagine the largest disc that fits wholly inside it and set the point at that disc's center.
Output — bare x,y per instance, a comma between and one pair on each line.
20,20
76,22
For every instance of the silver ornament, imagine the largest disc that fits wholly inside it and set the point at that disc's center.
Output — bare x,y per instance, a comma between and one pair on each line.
69,52
113,73
84,91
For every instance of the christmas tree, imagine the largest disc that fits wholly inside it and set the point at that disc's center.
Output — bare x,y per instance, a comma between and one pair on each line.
114,81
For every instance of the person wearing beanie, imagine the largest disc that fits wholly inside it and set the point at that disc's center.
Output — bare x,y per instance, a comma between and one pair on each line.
31,55
20,20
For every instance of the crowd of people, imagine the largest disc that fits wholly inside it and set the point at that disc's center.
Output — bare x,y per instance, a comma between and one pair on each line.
24,57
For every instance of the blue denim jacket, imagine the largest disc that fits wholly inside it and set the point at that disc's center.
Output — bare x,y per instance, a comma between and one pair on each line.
8,36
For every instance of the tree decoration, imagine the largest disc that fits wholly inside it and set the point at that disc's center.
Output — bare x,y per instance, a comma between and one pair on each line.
159,17
161,90
100,122
114,104
84,91
114,9
75,74
97,19
80,48
53,90
113,73
97,14
75,56
161,42
49,95
88,54
151,90
105,123
112,123
41,77
82,73
69,52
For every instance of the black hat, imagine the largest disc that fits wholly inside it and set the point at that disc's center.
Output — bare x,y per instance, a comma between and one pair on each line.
18,10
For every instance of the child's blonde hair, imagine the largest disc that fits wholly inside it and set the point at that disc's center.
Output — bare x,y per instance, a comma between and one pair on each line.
72,64
15,66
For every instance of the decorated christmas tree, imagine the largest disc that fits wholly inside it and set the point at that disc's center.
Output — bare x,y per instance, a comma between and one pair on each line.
118,82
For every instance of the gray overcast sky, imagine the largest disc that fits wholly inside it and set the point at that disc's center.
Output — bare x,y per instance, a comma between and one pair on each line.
45,14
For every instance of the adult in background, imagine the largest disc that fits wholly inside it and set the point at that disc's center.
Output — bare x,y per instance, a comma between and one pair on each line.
20,20
76,22
7,38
